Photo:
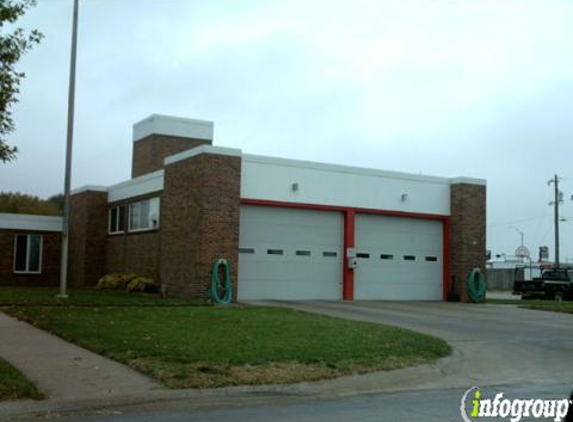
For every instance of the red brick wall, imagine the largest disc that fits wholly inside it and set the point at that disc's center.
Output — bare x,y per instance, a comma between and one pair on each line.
149,153
88,230
468,233
134,253
138,252
51,253
200,221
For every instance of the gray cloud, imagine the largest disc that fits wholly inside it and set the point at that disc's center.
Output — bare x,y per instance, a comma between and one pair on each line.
479,89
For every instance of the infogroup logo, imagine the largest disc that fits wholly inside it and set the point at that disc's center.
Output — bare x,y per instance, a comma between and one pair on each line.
474,406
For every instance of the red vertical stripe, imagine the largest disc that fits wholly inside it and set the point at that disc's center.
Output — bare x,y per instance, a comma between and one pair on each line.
447,246
348,274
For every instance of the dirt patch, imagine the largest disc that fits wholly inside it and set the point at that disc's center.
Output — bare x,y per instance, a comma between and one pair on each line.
209,375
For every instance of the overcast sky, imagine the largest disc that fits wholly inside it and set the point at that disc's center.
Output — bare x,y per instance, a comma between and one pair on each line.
449,88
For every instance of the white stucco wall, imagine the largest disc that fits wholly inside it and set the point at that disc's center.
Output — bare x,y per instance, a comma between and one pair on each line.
142,185
266,178
30,222
158,124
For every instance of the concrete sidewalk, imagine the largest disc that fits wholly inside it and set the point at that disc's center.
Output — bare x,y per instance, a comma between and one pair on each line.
62,370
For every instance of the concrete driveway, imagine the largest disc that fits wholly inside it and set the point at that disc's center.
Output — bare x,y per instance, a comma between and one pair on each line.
493,344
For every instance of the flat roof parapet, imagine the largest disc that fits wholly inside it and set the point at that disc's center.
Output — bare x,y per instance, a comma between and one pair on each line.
158,124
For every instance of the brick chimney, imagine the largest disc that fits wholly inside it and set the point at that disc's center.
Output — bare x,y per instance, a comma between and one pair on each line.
158,136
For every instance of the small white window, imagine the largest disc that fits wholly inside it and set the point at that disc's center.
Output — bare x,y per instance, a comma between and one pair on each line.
116,222
28,253
144,215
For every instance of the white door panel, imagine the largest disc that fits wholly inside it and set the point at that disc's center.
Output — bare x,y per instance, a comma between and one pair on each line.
398,258
289,254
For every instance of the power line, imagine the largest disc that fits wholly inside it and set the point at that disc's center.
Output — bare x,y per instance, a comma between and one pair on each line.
508,223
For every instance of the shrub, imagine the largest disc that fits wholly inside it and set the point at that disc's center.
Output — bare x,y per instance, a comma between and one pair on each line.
143,284
116,281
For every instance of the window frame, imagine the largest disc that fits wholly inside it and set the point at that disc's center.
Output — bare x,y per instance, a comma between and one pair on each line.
118,219
138,203
28,244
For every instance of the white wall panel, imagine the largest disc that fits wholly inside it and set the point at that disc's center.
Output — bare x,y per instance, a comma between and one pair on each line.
30,222
148,183
272,179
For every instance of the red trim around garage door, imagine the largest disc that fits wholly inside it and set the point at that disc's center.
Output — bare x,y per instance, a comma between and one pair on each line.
348,273
349,235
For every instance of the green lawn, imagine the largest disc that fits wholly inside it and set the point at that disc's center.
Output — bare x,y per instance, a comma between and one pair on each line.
545,305
80,297
505,301
14,385
201,347
540,305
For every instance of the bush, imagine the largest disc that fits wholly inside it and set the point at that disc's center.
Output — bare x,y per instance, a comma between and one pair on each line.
116,281
143,284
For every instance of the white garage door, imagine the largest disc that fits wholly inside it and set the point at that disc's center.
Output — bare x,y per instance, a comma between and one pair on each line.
398,258
289,253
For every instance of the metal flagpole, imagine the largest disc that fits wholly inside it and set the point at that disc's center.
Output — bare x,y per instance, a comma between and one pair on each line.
69,143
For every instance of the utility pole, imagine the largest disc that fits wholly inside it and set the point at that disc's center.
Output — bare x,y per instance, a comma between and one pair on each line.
69,143
556,203
520,233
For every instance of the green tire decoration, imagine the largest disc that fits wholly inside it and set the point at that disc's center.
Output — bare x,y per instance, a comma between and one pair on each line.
221,291
477,286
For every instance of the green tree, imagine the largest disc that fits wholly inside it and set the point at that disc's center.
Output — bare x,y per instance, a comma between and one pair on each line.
58,200
12,46
19,203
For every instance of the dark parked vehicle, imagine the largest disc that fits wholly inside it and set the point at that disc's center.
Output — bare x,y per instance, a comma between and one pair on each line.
554,284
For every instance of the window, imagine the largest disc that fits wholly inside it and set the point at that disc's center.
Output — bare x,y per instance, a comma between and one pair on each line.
275,251
329,253
28,253
432,258
302,253
246,250
409,258
144,215
116,222
363,255
386,256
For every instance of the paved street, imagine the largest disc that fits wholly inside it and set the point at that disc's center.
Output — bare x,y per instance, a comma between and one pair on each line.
426,406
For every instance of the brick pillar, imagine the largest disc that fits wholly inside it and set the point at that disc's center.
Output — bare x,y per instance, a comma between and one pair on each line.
88,231
467,231
200,221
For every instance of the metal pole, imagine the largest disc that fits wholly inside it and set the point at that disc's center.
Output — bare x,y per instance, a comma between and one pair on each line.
69,143
556,221
521,233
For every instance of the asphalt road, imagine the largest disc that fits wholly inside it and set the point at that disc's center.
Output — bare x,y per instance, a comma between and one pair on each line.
426,406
